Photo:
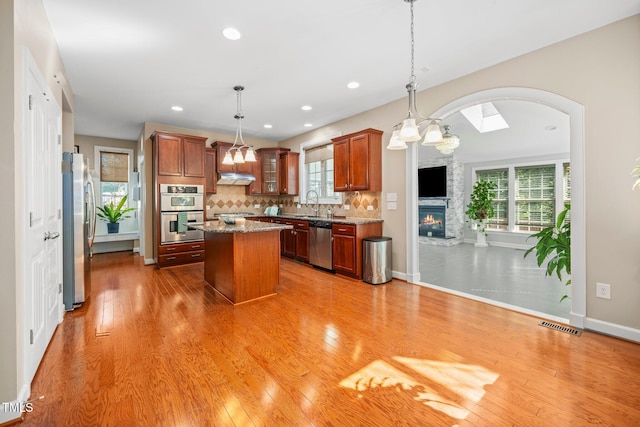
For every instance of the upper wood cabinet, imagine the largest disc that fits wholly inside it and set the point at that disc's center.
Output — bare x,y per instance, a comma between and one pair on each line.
180,155
210,171
255,187
357,161
270,177
289,173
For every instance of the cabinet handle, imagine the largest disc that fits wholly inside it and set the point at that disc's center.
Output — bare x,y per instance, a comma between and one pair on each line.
171,249
195,246
195,256
171,258
342,229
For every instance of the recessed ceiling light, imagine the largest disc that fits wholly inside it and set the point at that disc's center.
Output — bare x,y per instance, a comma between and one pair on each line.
306,107
177,108
308,125
268,126
353,85
231,33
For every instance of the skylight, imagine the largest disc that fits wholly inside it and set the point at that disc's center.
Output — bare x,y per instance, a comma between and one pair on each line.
485,117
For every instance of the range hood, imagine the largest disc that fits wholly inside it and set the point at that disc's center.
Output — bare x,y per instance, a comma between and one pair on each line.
230,178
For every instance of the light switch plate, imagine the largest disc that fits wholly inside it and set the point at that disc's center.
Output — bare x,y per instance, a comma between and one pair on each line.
392,206
392,197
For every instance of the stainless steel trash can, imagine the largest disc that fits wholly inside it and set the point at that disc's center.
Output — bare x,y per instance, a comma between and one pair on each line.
376,260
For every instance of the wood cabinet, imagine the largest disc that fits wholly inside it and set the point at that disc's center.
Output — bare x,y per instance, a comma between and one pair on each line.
179,155
179,160
279,171
288,165
357,160
180,253
255,188
347,246
294,243
210,171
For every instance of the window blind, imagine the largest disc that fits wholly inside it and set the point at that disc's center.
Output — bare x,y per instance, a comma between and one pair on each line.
318,154
534,197
500,177
114,167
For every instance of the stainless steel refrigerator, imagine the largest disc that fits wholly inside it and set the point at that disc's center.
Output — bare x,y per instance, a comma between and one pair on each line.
78,222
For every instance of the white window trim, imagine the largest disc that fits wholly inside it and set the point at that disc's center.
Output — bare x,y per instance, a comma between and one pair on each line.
511,167
337,200
132,224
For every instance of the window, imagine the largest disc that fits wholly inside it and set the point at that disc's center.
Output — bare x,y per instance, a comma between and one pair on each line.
500,177
318,172
114,177
534,197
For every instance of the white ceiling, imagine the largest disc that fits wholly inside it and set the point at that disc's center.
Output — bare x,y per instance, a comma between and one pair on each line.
129,61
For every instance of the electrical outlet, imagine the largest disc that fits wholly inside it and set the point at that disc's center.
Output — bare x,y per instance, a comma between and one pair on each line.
369,208
346,207
256,206
603,290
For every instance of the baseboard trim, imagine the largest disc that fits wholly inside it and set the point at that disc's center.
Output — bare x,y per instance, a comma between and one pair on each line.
148,261
399,275
9,417
617,331
502,244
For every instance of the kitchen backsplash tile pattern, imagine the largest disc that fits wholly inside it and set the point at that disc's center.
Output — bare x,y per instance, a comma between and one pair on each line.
232,199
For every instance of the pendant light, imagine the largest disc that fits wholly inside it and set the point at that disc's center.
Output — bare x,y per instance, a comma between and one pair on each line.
239,144
449,141
409,128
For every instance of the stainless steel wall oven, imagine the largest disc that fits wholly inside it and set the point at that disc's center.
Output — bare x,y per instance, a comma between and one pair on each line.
179,206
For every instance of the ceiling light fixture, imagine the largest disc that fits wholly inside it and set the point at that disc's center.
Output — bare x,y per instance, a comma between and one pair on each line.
353,85
306,107
449,141
231,33
408,129
177,108
268,126
239,144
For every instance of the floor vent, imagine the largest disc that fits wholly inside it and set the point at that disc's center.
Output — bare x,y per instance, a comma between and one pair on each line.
565,329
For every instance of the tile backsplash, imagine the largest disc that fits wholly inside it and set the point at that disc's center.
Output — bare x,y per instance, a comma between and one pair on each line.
232,199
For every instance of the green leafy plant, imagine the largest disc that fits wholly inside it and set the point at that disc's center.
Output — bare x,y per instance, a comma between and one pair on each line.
481,205
555,243
636,174
114,214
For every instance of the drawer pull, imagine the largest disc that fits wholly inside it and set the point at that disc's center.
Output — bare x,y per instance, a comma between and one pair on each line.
171,249
342,229
195,246
195,256
171,258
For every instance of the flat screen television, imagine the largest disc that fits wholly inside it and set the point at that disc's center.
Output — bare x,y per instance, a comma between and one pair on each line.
432,182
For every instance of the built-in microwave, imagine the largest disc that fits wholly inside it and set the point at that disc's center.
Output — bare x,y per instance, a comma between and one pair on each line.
173,228
181,198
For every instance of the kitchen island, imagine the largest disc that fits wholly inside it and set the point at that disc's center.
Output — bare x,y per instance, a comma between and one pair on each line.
242,261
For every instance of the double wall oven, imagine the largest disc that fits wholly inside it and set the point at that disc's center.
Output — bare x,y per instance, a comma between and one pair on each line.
179,206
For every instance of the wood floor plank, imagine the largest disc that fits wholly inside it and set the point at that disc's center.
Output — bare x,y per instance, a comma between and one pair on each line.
160,347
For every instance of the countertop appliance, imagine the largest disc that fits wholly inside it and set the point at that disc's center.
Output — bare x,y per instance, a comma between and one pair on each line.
79,224
320,244
179,206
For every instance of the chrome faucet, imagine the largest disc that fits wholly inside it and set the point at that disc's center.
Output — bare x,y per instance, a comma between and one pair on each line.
315,209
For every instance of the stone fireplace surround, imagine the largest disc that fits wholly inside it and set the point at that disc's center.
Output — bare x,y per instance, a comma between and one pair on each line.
453,203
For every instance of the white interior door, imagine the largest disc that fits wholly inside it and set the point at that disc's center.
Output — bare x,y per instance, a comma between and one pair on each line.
43,217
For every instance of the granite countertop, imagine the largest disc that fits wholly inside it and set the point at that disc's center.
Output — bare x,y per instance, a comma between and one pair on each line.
247,227
349,220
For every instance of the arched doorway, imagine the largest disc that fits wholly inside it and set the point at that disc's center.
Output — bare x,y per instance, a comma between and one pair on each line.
576,124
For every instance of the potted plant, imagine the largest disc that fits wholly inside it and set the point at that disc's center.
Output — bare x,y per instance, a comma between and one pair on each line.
555,242
480,208
114,214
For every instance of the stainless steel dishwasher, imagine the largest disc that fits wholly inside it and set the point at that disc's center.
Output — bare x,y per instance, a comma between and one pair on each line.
320,244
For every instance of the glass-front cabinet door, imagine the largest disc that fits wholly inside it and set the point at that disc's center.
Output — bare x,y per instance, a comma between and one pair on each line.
270,172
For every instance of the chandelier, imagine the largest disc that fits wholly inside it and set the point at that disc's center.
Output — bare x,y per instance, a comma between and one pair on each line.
239,144
409,130
449,141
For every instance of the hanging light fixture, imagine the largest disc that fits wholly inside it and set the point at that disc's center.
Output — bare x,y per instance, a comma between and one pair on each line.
409,128
239,144
449,141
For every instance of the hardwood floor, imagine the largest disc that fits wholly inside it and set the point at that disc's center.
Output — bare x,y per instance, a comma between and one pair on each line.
160,347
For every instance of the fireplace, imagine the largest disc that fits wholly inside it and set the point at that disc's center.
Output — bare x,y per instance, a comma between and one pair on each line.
432,220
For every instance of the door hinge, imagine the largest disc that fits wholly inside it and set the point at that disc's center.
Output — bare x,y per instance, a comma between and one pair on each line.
30,102
31,336
59,213
59,139
59,288
30,219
